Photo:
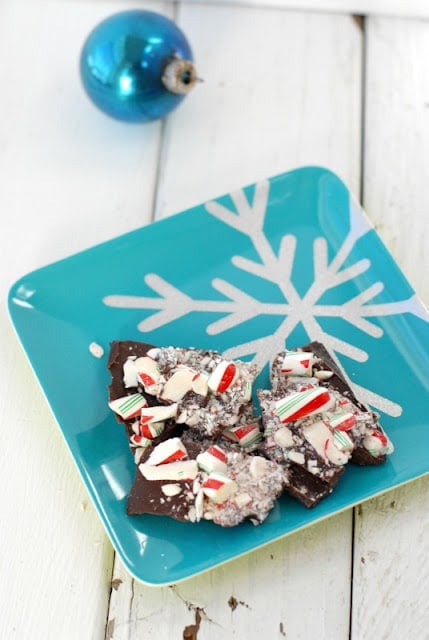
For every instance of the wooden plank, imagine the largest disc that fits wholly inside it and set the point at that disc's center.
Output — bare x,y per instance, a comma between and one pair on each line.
411,8
391,574
285,590
70,177
391,542
397,142
264,107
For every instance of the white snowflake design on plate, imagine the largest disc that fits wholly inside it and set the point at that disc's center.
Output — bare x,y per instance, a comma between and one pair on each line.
238,307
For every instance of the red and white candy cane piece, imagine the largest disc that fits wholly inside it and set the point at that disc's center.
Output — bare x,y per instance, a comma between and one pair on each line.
342,441
320,437
343,421
297,363
223,376
152,430
214,459
138,440
303,403
218,487
148,373
335,455
128,406
130,378
158,414
245,434
180,470
168,451
377,443
178,385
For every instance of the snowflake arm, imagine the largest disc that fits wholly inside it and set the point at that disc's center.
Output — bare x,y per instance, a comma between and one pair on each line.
173,304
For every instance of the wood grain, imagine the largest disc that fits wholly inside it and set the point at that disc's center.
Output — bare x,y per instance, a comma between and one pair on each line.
70,177
391,568
282,88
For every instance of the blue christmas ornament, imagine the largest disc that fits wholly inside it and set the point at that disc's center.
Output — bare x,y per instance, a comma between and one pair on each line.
137,66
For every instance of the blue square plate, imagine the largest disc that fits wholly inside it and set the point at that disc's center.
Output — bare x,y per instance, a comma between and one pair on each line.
292,258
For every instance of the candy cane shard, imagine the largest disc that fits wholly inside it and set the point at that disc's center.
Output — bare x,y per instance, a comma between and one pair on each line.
303,403
377,443
152,430
245,435
128,407
148,373
214,459
180,470
223,376
158,413
218,487
321,439
167,451
342,441
343,421
297,363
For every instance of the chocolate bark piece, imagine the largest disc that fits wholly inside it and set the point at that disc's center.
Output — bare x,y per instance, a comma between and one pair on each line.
371,443
225,486
211,392
160,497
306,487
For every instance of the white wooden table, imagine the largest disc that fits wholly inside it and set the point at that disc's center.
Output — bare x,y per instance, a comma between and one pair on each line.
282,88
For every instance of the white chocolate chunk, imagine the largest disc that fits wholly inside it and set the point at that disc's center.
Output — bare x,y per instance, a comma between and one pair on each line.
259,467
199,505
323,374
296,456
171,489
242,499
200,384
130,373
284,438
178,385
182,470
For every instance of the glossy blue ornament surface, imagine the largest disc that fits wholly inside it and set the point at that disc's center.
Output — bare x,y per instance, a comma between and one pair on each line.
123,60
